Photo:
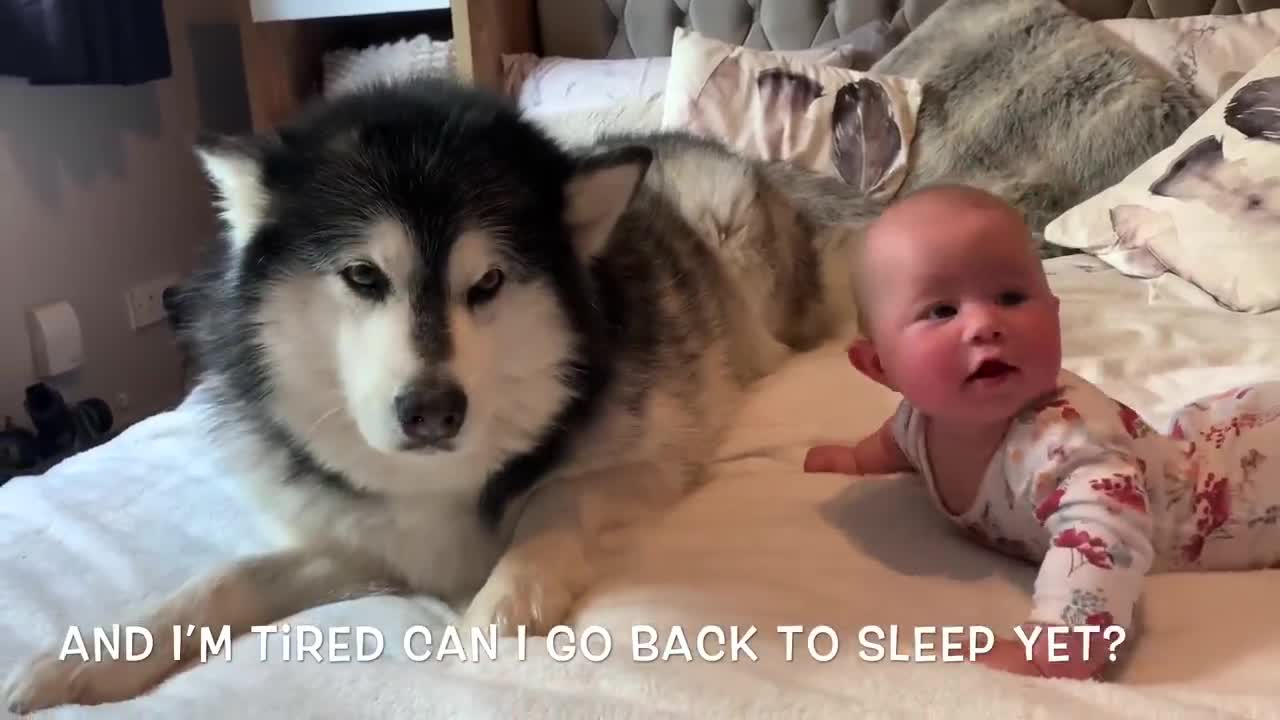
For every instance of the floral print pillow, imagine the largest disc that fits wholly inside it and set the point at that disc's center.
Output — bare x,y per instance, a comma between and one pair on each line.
854,125
1206,209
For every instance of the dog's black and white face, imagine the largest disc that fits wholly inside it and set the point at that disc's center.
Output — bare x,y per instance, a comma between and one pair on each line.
412,264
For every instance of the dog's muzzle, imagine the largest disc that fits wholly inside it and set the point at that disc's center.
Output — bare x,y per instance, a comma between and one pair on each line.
431,414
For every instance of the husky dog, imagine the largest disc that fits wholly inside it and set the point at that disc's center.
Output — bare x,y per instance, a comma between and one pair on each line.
449,355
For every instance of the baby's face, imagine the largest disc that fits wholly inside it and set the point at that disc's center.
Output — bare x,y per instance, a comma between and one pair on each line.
964,322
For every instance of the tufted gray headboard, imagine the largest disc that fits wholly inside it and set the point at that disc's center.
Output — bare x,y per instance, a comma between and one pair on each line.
643,28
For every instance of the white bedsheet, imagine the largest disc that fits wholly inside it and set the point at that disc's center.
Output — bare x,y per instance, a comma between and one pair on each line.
764,545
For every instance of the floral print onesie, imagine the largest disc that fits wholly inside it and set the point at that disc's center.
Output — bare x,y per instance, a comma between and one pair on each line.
1083,486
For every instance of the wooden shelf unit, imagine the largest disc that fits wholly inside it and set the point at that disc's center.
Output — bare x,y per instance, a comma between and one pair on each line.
283,57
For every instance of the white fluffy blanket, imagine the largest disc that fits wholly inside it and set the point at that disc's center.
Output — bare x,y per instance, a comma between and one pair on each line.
764,545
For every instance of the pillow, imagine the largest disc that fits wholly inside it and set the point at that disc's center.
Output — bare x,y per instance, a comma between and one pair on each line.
1206,208
566,83
347,69
1207,53
582,126
853,125
575,83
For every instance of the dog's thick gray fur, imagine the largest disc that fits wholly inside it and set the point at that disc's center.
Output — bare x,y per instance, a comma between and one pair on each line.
654,279
1033,102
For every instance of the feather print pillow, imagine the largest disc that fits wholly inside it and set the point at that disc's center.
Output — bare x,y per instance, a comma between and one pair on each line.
1206,209
854,125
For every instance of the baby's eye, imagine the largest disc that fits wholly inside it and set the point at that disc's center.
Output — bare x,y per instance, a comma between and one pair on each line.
941,311
1012,297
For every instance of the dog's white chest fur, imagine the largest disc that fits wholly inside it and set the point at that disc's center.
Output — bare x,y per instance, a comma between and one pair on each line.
436,542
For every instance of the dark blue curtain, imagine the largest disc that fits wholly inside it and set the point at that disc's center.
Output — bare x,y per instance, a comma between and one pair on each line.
84,42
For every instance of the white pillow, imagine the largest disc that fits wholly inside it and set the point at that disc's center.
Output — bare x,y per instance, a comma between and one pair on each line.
1207,53
1206,209
347,69
565,83
580,126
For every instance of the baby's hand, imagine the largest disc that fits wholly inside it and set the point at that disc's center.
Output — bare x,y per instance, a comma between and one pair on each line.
875,454
831,459
1010,656
1074,666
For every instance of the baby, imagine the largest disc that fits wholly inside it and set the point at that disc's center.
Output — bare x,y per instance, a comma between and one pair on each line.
957,316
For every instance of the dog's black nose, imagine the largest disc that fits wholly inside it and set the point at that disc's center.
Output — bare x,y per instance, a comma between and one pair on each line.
431,412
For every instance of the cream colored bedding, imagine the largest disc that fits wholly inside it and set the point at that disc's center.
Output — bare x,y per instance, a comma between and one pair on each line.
763,545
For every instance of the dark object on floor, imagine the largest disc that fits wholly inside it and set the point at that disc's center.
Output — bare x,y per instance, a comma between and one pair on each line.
62,431
18,448
93,420
55,427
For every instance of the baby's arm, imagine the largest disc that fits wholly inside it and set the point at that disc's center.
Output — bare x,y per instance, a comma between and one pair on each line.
876,454
1100,548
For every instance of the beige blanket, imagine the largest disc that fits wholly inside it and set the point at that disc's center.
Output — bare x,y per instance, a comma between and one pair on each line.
764,545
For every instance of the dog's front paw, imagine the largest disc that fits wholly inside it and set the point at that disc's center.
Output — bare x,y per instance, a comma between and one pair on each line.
46,681
510,599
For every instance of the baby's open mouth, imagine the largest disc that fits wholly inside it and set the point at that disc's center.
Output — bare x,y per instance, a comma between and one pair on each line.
992,369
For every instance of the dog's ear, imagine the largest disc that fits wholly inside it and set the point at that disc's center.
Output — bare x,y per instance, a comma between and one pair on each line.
599,191
234,166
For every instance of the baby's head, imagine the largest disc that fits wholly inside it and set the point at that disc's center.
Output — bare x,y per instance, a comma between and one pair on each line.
955,311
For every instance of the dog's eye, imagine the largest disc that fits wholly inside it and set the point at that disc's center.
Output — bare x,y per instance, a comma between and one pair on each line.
365,279
486,288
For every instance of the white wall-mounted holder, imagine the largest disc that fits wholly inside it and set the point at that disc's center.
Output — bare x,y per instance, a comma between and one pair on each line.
57,346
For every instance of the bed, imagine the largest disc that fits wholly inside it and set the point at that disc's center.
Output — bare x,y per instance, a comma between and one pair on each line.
763,545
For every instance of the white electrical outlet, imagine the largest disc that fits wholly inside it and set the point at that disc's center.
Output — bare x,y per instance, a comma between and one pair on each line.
146,301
